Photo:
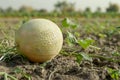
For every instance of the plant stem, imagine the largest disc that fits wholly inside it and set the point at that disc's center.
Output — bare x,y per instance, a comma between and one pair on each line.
12,77
102,57
5,76
98,56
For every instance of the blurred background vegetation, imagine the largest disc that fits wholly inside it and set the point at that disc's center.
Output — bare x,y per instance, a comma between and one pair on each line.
61,9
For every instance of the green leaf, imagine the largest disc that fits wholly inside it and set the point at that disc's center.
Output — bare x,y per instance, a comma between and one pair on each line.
71,39
79,58
83,56
86,57
77,34
73,25
114,73
18,70
68,23
102,35
27,76
116,54
85,43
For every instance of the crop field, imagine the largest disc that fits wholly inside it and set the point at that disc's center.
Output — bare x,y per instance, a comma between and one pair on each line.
91,51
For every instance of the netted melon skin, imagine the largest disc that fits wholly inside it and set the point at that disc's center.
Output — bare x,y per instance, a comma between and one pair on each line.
39,40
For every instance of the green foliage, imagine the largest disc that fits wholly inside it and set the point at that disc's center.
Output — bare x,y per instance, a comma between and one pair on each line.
102,30
68,23
112,8
65,22
64,7
7,76
25,19
5,51
17,70
116,54
115,74
20,71
79,58
82,56
71,39
113,30
101,35
85,43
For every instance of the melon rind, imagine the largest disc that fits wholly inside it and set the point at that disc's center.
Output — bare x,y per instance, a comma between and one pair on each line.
39,40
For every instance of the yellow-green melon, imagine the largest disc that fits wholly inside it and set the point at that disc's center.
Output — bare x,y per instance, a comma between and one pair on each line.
39,40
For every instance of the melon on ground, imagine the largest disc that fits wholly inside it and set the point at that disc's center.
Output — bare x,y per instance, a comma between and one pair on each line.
39,40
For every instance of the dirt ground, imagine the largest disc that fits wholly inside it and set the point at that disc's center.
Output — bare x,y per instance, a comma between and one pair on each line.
64,67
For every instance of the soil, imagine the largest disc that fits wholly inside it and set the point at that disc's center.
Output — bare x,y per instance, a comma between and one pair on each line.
64,67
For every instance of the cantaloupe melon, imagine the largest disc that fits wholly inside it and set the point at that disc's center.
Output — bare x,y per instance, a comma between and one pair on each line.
39,40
